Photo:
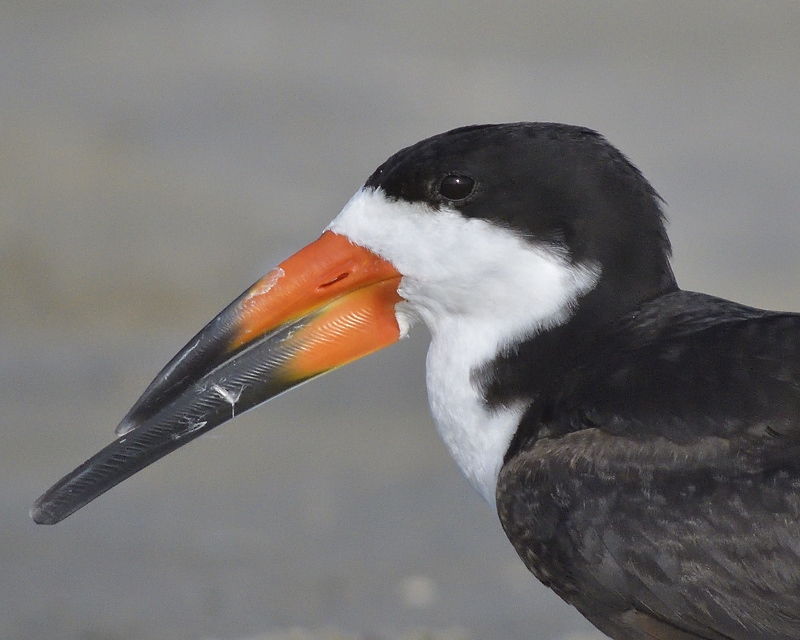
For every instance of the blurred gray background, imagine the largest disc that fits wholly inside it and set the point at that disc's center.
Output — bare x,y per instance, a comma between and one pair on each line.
157,158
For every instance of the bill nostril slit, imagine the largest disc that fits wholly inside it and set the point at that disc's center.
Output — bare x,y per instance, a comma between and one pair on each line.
341,276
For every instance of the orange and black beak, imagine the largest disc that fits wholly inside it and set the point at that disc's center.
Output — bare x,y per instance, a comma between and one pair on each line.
329,304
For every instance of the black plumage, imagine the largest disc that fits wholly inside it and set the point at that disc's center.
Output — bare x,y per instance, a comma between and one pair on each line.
655,481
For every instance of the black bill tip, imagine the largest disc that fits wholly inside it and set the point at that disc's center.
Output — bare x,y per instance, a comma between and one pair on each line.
180,414
43,515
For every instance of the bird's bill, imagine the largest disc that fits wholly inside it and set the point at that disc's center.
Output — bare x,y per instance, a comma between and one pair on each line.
329,304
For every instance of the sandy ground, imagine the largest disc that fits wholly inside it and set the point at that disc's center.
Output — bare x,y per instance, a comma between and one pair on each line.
156,158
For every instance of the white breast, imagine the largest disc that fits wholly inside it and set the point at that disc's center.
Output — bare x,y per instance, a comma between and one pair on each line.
480,289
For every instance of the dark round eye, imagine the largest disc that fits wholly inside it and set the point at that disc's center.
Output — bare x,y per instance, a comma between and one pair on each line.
455,187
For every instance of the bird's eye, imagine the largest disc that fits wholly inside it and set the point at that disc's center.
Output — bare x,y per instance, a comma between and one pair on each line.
455,187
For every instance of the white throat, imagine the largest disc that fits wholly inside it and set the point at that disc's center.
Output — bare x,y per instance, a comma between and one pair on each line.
479,288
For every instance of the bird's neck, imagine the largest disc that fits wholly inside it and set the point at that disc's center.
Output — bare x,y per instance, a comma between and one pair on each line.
476,434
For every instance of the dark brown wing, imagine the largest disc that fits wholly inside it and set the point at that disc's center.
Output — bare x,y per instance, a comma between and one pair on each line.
652,628
658,489
680,539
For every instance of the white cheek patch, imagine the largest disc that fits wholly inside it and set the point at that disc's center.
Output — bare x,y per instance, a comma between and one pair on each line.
479,287
457,266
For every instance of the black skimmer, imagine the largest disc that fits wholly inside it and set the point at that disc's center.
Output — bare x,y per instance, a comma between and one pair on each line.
641,444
